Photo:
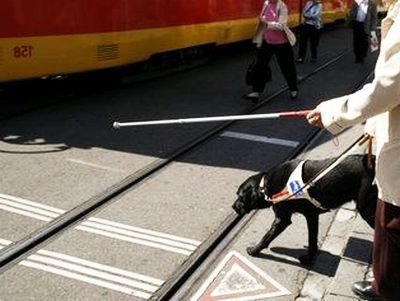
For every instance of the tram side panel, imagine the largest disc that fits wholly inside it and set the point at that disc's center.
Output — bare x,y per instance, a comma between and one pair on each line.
51,37
43,37
334,10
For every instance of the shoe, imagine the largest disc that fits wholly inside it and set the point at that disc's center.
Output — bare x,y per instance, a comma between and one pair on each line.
253,96
294,94
300,60
364,290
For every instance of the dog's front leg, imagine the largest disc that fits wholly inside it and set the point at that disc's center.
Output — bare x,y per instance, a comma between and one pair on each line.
277,228
312,225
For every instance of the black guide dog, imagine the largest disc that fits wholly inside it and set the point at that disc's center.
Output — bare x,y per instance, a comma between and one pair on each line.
352,179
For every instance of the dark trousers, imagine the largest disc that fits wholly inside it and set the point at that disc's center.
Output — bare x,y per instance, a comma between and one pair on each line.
284,55
308,32
360,40
386,254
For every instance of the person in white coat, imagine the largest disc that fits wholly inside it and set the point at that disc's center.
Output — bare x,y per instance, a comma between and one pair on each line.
378,103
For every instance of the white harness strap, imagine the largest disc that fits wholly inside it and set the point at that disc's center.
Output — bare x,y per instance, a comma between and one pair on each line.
294,189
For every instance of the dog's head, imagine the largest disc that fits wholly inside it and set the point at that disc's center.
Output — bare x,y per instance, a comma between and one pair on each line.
250,196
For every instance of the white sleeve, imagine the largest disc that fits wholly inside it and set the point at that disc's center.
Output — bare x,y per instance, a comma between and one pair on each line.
370,126
382,95
283,14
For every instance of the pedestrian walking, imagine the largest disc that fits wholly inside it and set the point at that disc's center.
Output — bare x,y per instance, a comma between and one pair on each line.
310,29
273,37
363,16
379,104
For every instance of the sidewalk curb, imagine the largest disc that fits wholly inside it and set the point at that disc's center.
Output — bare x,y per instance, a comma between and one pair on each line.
346,251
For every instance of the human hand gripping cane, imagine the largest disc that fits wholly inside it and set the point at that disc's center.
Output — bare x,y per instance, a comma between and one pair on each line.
314,118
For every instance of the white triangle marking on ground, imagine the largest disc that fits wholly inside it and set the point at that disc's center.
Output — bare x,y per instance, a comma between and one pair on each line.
236,280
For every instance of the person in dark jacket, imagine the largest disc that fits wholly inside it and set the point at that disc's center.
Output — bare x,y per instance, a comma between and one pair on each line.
310,29
363,16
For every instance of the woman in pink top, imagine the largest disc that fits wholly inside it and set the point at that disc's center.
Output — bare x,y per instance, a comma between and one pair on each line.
274,40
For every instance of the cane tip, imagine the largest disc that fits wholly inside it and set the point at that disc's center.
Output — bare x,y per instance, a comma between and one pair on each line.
116,125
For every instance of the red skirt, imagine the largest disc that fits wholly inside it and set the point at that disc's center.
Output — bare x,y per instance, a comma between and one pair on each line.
386,253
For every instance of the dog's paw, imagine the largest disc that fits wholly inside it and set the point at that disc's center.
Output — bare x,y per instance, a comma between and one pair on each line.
307,259
253,251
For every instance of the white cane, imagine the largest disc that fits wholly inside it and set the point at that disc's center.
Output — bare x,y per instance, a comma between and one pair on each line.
290,114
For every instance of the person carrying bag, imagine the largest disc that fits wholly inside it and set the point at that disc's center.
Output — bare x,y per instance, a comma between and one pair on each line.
272,37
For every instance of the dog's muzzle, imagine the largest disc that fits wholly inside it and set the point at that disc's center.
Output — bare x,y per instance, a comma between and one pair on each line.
239,207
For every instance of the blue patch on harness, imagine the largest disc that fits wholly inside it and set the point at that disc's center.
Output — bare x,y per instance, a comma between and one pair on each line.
295,188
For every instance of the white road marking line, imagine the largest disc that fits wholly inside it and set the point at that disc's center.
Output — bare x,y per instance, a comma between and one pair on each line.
33,204
103,227
257,138
136,241
138,235
90,280
28,208
146,231
94,165
103,267
25,213
98,220
91,272
5,242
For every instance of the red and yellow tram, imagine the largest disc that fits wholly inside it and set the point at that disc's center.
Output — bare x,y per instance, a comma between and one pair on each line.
49,37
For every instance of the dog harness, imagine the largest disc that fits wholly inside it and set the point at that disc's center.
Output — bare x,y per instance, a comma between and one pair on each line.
294,189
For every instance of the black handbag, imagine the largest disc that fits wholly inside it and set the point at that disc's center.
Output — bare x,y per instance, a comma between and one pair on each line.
253,73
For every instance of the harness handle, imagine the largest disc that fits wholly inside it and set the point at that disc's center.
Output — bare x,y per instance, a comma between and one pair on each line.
370,164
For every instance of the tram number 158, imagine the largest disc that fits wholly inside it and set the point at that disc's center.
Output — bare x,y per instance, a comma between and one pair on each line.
23,51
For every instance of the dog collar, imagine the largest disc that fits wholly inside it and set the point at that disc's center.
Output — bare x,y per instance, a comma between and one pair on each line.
262,188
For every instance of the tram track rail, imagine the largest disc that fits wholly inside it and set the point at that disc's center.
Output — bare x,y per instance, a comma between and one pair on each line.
14,253
75,215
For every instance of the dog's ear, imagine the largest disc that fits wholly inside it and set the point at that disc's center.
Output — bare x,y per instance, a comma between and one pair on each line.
251,183
242,188
250,196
